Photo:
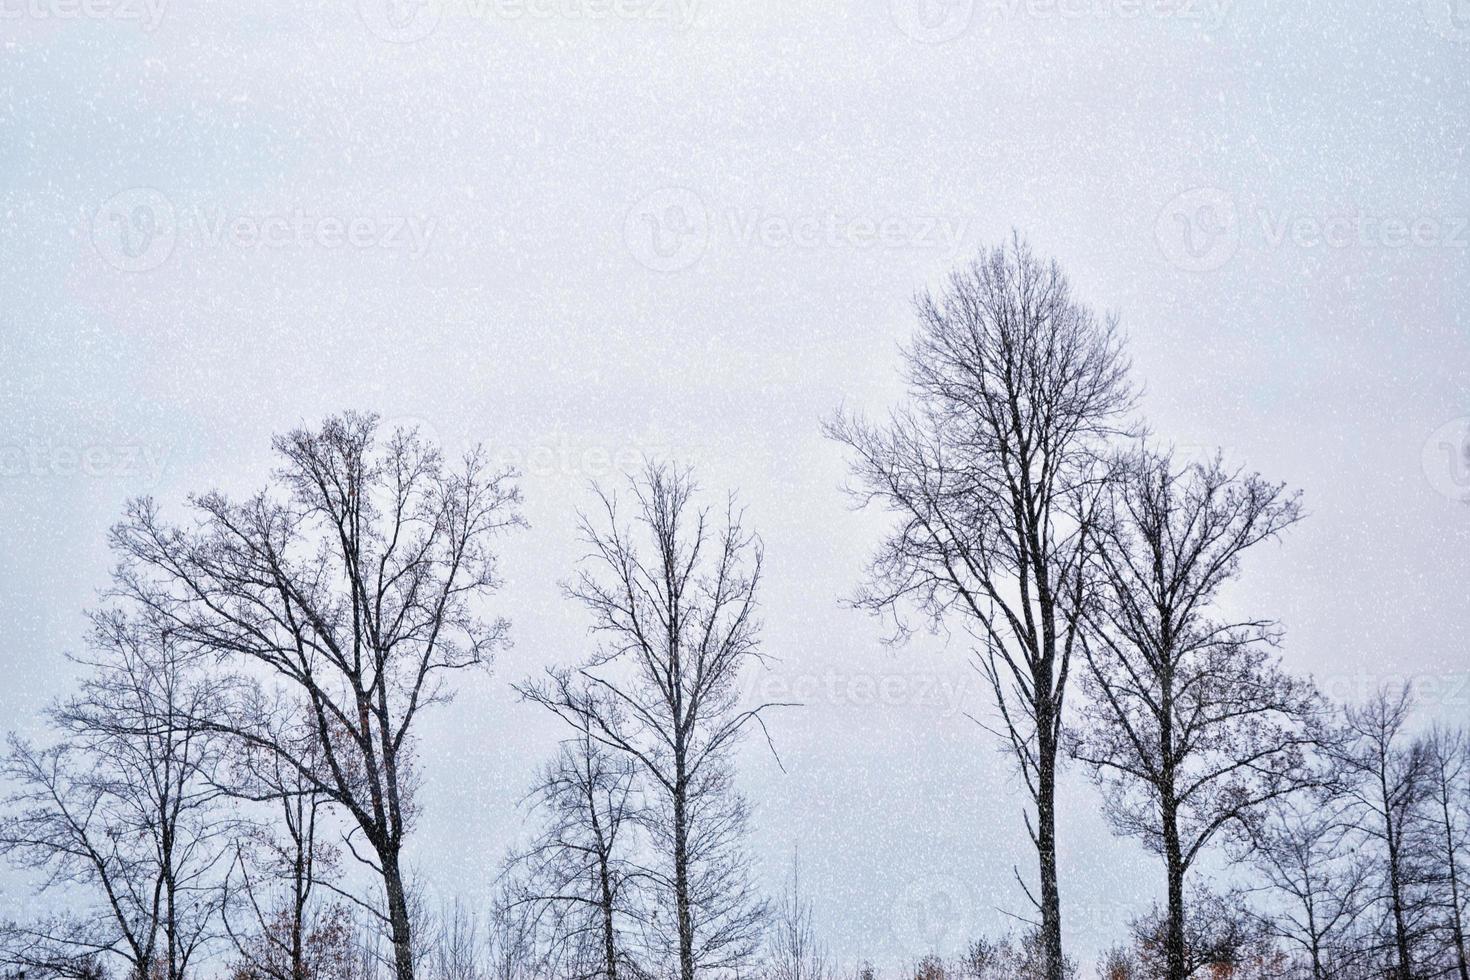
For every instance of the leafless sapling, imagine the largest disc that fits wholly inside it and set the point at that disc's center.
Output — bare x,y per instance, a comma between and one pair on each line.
1448,782
1387,774
673,601
578,882
794,951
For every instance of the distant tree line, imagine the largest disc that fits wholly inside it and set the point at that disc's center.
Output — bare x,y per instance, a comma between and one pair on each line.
230,790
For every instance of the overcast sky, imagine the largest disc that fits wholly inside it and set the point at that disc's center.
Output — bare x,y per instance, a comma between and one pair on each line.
577,230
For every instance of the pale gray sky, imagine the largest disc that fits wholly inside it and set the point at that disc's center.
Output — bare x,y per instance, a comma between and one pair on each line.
578,229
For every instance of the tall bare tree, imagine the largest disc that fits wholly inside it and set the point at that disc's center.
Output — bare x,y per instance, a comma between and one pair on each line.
578,881
1190,725
673,600
993,471
353,585
1388,777
1448,782
121,813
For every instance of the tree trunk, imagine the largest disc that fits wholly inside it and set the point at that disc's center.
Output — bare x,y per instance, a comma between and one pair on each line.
1046,850
609,945
1457,925
1174,860
1395,883
681,886
397,915
298,922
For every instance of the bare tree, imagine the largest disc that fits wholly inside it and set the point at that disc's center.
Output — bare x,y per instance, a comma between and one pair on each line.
1448,789
121,815
1388,785
993,472
353,585
794,950
577,880
459,949
674,603
1190,725
511,945
1304,851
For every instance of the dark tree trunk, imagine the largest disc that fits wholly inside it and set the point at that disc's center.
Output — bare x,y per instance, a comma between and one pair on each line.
681,886
609,944
1457,925
398,923
1174,861
1395,882
1046,850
